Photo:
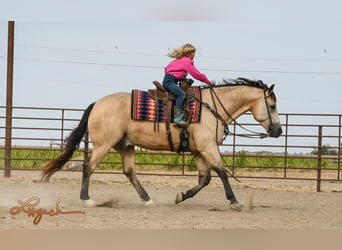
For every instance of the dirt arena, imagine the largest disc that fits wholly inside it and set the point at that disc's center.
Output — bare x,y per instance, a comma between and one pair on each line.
267,204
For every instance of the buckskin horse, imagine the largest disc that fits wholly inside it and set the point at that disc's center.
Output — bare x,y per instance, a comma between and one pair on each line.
110,125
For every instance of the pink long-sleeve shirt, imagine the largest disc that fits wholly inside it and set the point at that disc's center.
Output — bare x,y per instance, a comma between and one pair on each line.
179,67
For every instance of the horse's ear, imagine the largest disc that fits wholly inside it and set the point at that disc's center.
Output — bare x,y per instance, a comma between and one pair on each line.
270,89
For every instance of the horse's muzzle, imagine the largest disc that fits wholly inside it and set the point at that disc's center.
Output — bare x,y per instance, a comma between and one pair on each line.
275,130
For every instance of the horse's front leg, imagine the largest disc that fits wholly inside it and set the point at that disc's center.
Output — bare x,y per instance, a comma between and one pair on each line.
214,160
221,172
128,158
203,180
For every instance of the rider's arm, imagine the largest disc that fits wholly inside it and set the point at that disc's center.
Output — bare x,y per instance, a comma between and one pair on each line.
194,72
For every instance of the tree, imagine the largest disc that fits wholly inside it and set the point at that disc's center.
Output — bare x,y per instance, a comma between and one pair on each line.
326,150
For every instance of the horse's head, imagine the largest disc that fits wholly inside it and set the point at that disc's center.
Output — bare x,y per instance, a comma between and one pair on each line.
265,111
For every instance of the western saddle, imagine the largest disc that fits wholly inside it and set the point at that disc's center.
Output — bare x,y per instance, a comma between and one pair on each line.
160,93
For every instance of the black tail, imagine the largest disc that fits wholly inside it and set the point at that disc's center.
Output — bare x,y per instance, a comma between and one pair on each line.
72,143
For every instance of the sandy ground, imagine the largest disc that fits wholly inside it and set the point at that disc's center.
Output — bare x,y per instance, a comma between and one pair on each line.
267,204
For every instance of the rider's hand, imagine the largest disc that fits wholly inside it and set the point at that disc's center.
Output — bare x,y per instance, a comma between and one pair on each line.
212,83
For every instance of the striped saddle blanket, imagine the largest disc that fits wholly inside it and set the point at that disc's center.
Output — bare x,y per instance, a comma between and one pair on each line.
146,108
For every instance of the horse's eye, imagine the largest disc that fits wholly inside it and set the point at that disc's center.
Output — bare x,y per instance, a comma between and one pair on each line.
272,107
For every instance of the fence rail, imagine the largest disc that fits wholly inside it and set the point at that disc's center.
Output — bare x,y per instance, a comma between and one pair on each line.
309,149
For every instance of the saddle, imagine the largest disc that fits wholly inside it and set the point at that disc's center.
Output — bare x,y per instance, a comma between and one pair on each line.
160,93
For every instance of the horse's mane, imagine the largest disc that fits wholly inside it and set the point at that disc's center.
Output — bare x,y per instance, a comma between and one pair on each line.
241,82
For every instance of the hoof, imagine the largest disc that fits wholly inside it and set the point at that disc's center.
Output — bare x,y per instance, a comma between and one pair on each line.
149,203
44,181
235,207
179,198
89,203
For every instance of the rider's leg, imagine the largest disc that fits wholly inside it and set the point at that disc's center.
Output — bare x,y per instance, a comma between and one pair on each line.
170,84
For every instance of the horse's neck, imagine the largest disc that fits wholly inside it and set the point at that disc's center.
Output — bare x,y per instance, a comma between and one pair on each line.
237,100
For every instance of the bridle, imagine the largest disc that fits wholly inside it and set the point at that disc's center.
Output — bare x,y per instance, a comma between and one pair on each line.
268,109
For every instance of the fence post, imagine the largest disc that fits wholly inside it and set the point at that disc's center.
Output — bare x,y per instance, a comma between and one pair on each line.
339,148
9,99
319,159
286,145
234,149
62,131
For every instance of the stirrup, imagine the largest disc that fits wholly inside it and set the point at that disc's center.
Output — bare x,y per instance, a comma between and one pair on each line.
181,123
180,120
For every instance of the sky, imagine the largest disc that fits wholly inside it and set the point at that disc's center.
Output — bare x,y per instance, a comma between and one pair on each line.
71,53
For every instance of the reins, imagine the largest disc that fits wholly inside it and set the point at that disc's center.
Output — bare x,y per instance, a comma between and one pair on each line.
219,117
225,124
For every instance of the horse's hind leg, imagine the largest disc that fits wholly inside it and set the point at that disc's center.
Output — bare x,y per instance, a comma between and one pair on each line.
88,169
203,180
128,159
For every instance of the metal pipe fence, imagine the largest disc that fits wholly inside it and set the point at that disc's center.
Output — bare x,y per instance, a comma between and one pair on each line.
309,149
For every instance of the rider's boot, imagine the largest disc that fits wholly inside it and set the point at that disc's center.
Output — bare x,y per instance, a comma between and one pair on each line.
179,116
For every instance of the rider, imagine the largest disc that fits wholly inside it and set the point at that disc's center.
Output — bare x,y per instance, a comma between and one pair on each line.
175,71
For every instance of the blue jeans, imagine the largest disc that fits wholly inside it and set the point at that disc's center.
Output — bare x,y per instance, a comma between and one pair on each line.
170,83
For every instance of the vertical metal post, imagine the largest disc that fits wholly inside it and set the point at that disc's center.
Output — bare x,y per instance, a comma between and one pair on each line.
9,99
234,149
339,148
62,131
319,159
286,146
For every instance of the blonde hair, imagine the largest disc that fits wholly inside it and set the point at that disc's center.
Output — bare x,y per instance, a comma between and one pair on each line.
184,50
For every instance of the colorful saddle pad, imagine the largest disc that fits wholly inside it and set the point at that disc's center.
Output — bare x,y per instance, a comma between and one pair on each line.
147,109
